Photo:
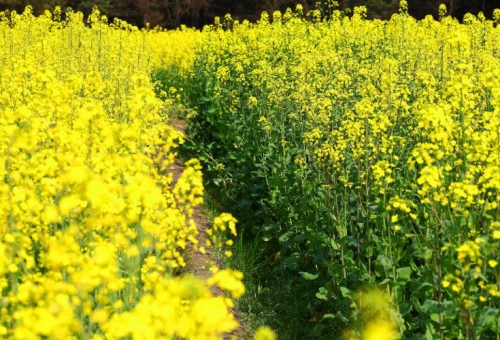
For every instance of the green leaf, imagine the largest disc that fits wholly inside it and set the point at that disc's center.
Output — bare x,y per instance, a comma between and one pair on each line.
286,236
430,306
403,275
291,262
385,262
383,265
345,292
385,281
333,217
489,317
425,286
334,244
328,316
430,331
448,309
308,276
322,294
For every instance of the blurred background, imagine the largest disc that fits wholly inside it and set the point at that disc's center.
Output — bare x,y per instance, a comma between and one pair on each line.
197,13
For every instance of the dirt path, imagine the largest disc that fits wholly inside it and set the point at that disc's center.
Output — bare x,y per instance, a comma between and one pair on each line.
196,262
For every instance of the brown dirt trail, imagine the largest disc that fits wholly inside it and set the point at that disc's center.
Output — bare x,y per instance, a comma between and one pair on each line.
196,262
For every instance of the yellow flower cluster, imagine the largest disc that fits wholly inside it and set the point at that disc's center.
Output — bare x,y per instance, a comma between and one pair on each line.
359,129
374,306
478,260
92,225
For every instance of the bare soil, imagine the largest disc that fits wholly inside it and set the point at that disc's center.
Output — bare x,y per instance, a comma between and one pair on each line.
197,263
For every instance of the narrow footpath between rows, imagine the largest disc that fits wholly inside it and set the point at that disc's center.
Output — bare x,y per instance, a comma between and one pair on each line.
196,262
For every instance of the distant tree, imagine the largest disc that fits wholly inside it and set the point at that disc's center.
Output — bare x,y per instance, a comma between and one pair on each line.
85,6
459,7
382,9
188,12
434,4
7,3
150,11
272,5
38,6
17,5
172,13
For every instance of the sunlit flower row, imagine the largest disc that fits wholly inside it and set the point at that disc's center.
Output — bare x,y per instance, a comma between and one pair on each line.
93,228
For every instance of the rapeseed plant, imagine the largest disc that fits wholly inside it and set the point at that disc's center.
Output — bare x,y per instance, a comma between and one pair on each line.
371,151
93,227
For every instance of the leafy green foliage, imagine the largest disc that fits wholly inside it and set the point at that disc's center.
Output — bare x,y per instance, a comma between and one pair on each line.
317,136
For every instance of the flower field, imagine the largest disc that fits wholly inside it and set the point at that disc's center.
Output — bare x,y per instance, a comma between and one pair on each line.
363,156
92,228
368,154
